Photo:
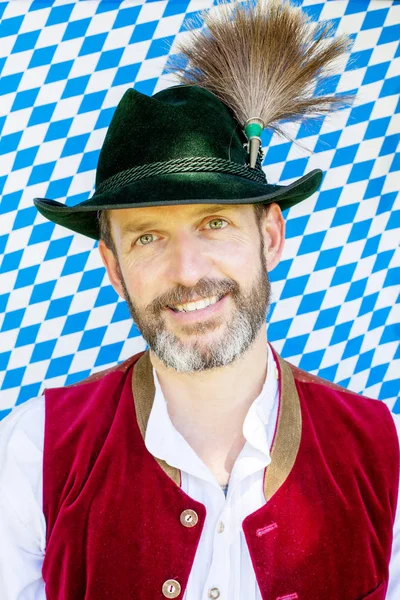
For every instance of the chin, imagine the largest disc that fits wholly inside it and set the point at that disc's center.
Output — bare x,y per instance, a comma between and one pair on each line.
201,338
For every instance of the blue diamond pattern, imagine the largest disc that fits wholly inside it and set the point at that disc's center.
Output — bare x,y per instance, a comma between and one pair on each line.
340,267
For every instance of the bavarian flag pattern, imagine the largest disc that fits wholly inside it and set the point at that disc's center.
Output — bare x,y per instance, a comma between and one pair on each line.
64,65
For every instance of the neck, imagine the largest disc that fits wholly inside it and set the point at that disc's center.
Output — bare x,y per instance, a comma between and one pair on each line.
211,392
208,408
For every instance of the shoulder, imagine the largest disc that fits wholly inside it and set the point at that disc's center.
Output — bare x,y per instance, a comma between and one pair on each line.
327,391
305,378
121,368
355,423
369,419
63,402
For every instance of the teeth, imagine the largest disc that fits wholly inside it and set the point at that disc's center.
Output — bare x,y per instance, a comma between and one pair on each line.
202,303
198,305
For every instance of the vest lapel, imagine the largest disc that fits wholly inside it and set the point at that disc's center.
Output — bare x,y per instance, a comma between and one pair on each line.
288,431
143,390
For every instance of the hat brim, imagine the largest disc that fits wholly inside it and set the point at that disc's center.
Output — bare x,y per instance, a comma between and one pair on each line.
173,189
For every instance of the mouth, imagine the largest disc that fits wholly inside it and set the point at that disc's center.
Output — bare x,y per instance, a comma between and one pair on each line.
196,305
191,312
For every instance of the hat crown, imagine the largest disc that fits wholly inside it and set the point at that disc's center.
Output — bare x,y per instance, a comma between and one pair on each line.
180,146
176,123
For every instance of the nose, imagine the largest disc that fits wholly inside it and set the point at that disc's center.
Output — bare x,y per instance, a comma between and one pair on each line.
187,262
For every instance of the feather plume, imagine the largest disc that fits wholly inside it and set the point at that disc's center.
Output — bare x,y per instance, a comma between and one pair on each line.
262,59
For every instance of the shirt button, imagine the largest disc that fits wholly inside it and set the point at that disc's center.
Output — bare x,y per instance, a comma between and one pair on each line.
171,588
189,518
214,593
220,527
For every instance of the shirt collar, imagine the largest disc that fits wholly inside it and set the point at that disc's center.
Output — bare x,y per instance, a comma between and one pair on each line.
255,426
163,441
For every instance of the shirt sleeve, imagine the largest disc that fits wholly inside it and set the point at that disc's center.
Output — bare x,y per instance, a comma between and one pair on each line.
393,592
22,523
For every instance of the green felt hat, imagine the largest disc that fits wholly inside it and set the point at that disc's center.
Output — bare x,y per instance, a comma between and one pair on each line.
180,146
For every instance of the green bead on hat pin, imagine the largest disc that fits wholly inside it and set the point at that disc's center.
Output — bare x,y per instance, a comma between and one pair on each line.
253,130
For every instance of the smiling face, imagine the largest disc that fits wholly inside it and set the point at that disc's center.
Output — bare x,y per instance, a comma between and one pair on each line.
194,277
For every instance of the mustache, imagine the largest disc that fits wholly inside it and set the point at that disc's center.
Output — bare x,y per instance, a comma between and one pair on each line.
204,287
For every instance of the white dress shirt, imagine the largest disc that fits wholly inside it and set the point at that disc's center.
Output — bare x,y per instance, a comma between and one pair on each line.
222,562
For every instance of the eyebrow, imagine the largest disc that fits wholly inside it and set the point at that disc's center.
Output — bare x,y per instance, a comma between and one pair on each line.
137,226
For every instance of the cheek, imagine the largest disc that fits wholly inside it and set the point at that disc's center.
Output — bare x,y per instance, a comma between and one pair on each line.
137,280
141,289
146,284
240,260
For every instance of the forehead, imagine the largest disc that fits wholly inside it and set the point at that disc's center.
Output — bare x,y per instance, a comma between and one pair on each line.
129,219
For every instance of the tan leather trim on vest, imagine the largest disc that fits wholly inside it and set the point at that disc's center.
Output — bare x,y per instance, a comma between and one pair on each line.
288,432
143,390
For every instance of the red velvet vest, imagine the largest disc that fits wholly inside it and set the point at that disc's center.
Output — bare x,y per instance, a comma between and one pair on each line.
113,511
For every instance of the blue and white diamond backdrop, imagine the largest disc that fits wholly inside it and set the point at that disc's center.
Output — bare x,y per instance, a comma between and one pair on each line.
64,66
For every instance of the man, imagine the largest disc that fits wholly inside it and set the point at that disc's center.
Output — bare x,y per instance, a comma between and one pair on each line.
206,467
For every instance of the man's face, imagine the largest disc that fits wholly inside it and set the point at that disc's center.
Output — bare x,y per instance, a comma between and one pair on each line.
195,280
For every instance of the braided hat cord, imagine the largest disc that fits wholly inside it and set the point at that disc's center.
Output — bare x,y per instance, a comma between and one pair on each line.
183,165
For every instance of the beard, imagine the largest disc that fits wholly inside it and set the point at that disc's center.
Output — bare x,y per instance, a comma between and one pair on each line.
250,310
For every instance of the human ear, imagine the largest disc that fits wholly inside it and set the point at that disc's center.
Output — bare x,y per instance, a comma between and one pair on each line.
111,264
273,231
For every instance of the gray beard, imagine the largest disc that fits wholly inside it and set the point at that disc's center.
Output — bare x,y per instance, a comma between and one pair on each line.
237,335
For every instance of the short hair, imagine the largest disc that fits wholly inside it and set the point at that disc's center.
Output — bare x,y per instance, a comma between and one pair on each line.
105,230
260,210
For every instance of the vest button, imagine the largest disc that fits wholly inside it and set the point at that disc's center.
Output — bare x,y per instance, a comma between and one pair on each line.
189,518
171,588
